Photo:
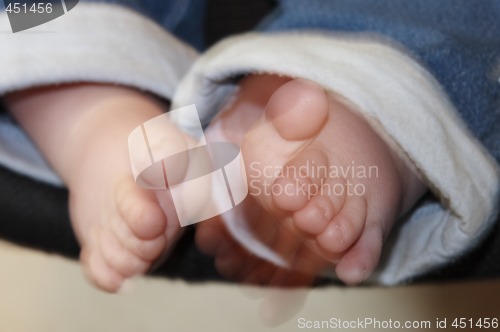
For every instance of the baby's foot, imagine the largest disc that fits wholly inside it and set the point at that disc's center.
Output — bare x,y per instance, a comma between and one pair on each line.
123,229
235,262
322,170
83,129
332,174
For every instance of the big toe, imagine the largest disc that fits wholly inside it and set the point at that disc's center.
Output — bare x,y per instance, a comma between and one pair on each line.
298,109
140,210
294,116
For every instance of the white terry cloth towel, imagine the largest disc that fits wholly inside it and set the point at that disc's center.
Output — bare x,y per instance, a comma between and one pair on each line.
403,101
91,43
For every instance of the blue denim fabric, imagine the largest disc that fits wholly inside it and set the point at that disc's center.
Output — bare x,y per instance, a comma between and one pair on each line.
458,41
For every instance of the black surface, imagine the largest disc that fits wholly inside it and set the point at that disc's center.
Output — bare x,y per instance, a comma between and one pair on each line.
35,215
227,17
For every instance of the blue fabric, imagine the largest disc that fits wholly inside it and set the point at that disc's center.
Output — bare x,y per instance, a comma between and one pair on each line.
458,41
183,18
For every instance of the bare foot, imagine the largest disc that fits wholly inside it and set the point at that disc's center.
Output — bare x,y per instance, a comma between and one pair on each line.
83,131
320,169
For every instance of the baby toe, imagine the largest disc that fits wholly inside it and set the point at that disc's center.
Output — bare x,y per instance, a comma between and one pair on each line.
98,272
146,250
360,261
298,109
315,216
119,258
300,180
140,210
345,227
